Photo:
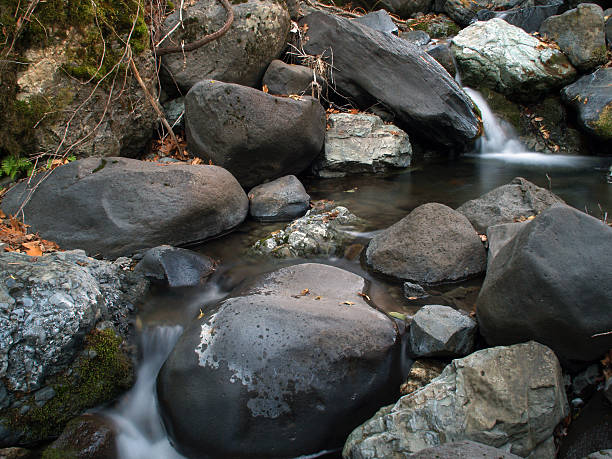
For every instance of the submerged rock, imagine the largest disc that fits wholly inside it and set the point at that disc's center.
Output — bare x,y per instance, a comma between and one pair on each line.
322,231
506,397
508,203
254,135
507,59
257,36
175,266
591,98
118,206
433,244
280,200
371,66
561,262
357,143
286,366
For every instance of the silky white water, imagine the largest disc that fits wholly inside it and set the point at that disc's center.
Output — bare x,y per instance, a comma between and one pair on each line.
141,434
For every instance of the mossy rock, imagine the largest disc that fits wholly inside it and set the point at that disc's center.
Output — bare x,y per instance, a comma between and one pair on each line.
504,108
603,125
102,373
436,25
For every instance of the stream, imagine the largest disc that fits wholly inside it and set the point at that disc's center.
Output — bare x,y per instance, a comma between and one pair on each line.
380,201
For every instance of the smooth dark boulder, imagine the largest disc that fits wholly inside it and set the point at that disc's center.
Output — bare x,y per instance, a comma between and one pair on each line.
403,8
550,283
118,206
507,204
591,98
256,37
378,20
374,67
280,200
286,79
431,245
254,135
285,367
527,17
175,266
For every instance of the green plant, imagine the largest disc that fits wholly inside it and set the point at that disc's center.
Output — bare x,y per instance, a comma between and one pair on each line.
15,165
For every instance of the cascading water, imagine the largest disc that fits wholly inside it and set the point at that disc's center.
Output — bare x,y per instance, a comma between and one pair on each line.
141,434
495,138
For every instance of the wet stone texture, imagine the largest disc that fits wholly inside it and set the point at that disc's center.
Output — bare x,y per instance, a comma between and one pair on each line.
286,367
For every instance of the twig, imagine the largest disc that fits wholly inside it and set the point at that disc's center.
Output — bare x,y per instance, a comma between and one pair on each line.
205,39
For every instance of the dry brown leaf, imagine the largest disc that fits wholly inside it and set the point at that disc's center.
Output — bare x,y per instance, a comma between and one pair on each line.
317,297
413,298
265,88
305,292
363,295
32,248
348,303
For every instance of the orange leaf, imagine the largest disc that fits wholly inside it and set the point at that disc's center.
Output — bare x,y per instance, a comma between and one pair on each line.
2,214
265,88
32,248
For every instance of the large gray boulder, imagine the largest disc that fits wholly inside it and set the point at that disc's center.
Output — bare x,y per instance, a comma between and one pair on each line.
371,66
280,200
287,366
499,235
508,203
505,58
441,331
510,398
591,98
550,284
48,305
431,245
357,143
254,135
580,35
256,37
117,206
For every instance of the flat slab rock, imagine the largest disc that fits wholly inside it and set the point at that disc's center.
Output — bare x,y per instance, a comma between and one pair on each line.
283,373
510,398
118,206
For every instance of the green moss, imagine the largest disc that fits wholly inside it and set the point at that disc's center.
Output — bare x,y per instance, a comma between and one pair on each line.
502,107
603,125
53,453
100,377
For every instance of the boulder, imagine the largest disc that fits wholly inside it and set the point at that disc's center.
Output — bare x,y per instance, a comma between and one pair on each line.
280,200
580,35
591,98
436,25
324,231
358,143
54,363
287,366
175,267
507,204
431,245
257,36
441,52
561,262
527,17
89,436
441,331
286,79
421,373
405,8
417,37
505,58
464,449
506,397
254,135
499,235
412,290
117,206
424,99
378,20
463,12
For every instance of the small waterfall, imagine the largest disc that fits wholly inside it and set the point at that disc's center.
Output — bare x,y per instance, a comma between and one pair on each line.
141,434
494,139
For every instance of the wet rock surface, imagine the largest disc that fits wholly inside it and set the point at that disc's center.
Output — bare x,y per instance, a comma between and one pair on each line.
422,96
508,203
283,371
87,437
256,37
174,266
254,135
561,260
465,449
362,143
507,59
433,244
475,398
280,200
118,206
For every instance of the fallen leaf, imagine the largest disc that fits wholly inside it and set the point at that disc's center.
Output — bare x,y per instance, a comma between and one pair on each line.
317,297
33,249
413,298
538,118
196,161
483,237
363,295
200,315
265,88
348,303
2,214
305,292
398,315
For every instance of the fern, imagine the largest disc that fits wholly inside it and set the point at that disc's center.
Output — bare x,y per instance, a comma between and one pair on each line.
14,165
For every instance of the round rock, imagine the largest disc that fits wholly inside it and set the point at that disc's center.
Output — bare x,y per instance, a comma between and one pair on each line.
285,367
280,200
431,245
175,266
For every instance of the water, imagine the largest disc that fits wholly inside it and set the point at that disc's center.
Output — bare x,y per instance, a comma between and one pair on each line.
380,201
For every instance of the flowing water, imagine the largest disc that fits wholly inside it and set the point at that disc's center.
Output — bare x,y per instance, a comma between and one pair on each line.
380,201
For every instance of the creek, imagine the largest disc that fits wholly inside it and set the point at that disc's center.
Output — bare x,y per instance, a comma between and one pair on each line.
380,201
